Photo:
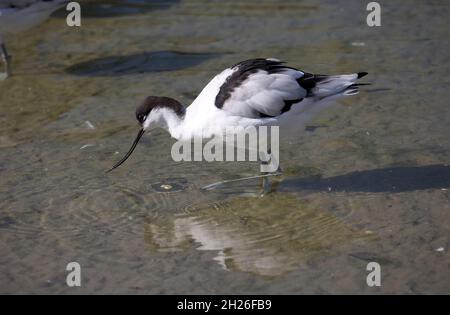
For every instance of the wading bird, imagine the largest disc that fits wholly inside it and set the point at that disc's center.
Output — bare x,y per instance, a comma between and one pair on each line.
19,15
256,92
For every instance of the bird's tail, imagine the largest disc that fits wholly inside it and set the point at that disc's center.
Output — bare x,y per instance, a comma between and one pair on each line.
322,86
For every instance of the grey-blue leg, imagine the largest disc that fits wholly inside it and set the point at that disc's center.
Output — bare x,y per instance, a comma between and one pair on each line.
266,158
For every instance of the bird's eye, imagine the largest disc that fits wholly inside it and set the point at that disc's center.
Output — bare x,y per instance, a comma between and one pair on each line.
141,118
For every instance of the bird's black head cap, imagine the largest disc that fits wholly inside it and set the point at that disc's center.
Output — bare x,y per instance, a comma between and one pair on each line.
154,102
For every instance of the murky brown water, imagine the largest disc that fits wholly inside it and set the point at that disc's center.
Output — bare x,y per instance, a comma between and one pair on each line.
371,184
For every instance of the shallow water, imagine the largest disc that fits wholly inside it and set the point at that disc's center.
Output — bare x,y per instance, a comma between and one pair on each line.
370,183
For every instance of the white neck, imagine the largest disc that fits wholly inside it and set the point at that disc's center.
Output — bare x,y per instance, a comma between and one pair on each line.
171,122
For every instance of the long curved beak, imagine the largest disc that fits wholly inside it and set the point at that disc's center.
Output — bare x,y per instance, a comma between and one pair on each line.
133,146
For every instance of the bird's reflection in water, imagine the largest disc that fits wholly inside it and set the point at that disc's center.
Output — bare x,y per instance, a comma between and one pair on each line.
265,236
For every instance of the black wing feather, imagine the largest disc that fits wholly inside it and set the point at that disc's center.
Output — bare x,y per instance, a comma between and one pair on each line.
244,70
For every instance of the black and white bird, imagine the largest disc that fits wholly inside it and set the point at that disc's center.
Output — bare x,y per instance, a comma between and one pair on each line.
20,15
256,92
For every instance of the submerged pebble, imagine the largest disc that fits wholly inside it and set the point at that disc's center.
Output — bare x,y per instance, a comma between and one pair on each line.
170,185
89,125
86,146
